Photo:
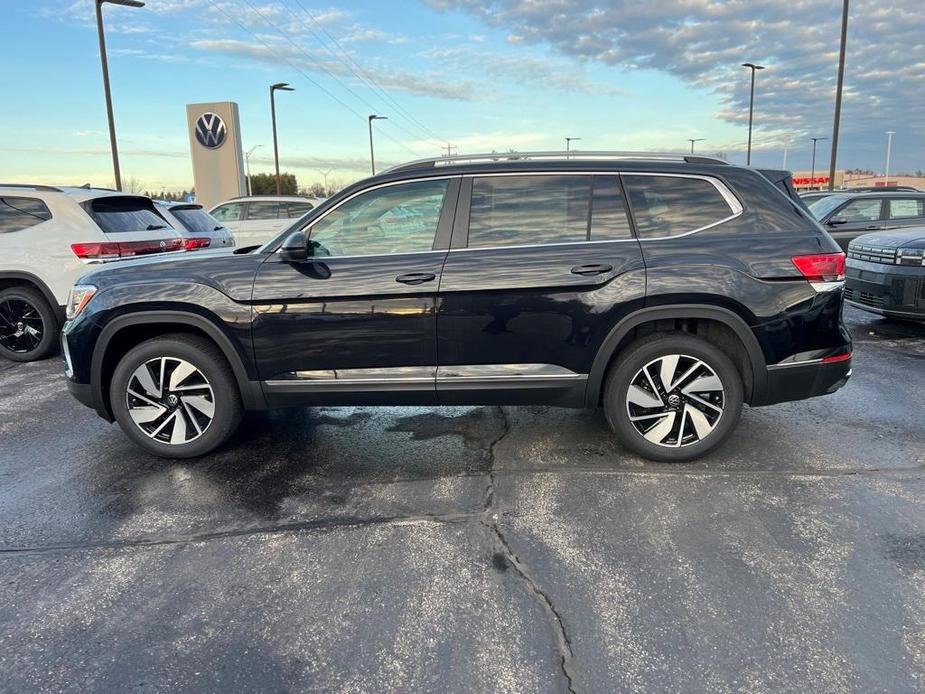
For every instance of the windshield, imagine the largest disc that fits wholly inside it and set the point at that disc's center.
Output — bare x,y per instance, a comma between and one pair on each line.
821,207
196,220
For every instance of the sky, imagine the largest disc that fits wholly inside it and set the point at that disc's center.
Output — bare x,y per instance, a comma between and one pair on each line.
479,75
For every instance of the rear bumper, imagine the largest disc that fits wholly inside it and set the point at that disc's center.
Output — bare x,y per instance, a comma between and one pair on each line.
804,380
897,291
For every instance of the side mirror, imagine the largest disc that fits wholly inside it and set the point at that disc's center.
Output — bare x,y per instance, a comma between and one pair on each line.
295,247
835,221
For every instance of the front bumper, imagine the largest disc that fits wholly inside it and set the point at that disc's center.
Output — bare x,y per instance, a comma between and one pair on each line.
889,290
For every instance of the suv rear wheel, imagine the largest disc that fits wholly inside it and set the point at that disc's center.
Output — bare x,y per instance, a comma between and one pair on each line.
673,397
175,396
28,327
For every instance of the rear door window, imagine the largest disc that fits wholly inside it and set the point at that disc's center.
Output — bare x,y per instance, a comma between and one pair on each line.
905,208
17,214
119,214
528,210
229,213
671,205
267,210
863,210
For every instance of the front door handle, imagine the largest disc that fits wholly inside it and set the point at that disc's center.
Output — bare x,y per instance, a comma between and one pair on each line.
416,278
589,270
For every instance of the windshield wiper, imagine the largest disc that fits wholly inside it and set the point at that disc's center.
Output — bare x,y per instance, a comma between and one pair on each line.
154,227
219,227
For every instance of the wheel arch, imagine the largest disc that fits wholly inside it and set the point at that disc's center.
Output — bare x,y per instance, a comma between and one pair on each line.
17,278
149,324
751,364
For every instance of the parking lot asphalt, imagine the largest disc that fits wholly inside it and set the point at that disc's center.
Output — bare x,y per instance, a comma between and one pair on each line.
470,549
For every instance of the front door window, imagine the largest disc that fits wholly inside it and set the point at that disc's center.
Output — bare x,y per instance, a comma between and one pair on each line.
393,219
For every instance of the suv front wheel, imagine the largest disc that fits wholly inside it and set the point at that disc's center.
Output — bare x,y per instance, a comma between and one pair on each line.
175,396
672,397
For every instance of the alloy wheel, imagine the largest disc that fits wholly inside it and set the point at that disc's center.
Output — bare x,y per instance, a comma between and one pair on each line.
21,326
170,400
675,400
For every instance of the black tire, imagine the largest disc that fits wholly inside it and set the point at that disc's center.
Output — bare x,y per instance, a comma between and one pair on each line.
629,367
23,312
212,366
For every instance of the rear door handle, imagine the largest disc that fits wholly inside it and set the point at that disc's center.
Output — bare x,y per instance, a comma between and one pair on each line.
589,270
416,278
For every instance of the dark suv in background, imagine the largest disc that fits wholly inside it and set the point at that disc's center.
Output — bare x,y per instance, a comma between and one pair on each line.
667,289
847,215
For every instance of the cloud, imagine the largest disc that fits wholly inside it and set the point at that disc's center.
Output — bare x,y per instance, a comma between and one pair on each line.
319,62
703,42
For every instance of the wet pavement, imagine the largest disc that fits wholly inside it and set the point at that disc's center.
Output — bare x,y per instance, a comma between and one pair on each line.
470,549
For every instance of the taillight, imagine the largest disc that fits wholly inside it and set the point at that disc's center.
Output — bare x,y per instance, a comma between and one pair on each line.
124,249
837,358
194,244
829,267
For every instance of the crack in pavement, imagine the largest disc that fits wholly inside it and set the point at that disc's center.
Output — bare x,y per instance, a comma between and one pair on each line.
489,518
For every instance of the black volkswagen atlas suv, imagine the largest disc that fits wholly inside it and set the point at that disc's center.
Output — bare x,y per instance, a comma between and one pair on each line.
666,289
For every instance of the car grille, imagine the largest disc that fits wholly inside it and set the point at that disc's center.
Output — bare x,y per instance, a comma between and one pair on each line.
865,298
872,254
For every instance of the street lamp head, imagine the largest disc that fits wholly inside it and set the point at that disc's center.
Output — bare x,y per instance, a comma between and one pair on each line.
373,117
125,3
753,66
282,86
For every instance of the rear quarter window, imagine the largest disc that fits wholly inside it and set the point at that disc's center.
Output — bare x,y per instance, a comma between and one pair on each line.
671,205
17,214
196,220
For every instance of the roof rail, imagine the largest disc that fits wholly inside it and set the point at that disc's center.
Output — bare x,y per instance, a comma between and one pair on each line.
557,155
31,186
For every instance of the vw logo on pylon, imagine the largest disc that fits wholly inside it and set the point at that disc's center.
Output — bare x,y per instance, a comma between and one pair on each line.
210,130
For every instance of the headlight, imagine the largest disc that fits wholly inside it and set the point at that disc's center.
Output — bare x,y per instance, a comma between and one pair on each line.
910,256
78,298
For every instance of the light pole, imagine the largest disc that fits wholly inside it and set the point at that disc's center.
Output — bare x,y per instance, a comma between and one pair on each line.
812,174
372,158
838,89
325,174
751,109
112,124
692,140
786,147
568,145
247,166
284,87
889,150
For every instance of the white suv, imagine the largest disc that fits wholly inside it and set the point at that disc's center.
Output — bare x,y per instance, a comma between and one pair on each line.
48,236
257,219
198,227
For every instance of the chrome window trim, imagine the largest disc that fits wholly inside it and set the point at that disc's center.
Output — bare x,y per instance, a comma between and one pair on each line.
834,286
728,196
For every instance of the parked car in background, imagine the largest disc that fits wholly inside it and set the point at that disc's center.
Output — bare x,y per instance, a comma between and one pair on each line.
849,215
255,220
48,236
886,273
668,289
198,228
811,196
882,189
